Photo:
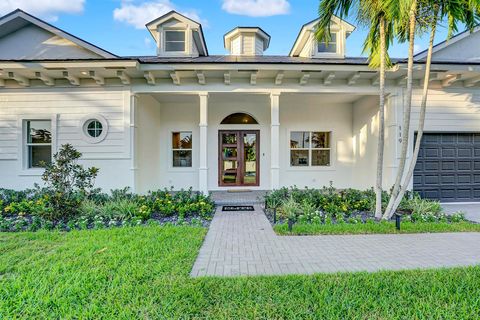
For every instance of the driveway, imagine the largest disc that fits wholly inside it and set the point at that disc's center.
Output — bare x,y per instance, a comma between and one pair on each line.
472,210
244,243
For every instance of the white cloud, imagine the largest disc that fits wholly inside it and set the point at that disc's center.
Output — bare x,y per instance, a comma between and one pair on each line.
138,15
46,9
257,8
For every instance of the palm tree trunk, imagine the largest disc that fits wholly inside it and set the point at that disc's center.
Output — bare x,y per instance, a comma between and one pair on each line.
421,121
381,122
406,111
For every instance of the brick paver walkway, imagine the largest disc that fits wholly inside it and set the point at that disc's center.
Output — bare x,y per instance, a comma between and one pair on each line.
243,243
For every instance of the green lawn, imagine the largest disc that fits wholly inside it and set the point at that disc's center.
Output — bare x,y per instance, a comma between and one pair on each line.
372,228
142,273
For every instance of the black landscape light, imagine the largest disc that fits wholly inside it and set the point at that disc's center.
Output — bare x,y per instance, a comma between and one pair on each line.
398,220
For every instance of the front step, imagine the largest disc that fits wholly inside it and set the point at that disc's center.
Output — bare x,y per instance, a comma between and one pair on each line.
238,198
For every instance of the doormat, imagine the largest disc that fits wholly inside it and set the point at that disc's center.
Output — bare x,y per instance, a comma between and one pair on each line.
238,208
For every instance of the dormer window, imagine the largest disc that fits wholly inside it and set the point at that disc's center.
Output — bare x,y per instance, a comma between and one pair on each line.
331,47
175,41
307,46
177,36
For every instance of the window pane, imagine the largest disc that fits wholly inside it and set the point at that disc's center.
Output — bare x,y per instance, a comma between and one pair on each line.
174,46
320,157
229,153
229,138
39,154
299,158
94,129
182,158
332,47
320,139
250,156
175,35
239,118
299,139
182,140
39,131
230,171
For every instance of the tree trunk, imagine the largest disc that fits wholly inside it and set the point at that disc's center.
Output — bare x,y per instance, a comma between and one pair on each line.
407,108
421,121
381,122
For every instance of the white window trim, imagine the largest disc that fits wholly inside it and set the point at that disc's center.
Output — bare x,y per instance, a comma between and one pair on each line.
83,128
340,46
331,167
24,170
165,41
171,168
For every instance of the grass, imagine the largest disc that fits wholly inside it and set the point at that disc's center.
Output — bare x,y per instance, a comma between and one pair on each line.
142,273
376,228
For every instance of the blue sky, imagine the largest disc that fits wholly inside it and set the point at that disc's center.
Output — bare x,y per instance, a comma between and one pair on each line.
117,25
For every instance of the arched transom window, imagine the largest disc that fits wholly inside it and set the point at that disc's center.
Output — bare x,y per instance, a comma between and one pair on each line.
239,118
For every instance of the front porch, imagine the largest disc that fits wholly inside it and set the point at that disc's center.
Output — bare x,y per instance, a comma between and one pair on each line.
275,139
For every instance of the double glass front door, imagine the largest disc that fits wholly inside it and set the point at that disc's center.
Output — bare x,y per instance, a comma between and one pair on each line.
238,157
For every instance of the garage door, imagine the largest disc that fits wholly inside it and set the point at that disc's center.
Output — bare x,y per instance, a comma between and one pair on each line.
448,167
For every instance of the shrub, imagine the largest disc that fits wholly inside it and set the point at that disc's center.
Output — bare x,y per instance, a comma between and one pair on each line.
66,183
458,216
423,209
290,208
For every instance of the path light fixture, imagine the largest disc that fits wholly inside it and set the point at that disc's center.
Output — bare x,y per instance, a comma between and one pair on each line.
290,224
398,220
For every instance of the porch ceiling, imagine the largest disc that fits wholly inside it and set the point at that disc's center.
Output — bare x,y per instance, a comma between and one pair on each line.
222,97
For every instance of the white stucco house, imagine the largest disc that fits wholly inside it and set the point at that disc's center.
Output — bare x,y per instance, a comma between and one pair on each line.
184,118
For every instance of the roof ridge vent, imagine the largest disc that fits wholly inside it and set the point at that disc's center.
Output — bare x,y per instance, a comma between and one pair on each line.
246,41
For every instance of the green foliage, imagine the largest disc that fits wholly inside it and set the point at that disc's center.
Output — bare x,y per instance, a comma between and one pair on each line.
373,227
98,210
424,210
66,184
290,208
350,206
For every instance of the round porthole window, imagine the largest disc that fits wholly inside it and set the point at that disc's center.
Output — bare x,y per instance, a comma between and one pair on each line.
94,128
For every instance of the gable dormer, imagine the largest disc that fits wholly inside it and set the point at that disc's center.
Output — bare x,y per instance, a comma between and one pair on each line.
246,41
307,46
25,37
178,36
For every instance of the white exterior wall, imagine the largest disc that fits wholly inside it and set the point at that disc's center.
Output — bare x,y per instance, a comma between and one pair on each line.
454,109
148,139
365,140
67,108
312,115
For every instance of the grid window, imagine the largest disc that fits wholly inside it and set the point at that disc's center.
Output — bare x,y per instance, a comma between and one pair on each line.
94,128
39,143
331,47
175,41
182,149
310,148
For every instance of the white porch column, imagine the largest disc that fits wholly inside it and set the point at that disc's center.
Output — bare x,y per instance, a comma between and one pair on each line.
203,167
275,140
134,140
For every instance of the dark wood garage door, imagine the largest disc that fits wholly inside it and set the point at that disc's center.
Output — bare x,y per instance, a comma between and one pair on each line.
448,167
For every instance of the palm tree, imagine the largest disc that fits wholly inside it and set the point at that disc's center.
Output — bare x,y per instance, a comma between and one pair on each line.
378,16
430,13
